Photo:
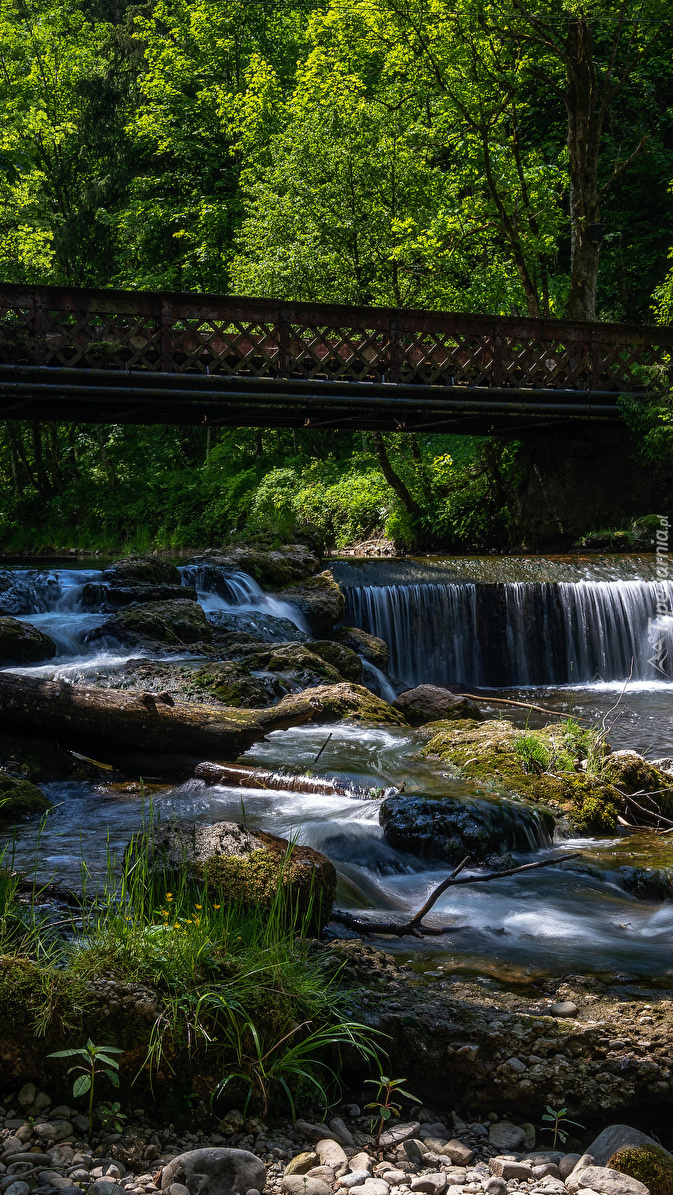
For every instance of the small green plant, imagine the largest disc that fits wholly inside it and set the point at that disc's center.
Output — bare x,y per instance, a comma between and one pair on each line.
92,1056
384,1105
559,1120
111,1117
533,753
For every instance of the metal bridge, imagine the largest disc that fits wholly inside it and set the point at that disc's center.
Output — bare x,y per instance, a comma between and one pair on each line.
108,356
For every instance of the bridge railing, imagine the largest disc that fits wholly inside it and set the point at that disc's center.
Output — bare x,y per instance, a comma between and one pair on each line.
257,338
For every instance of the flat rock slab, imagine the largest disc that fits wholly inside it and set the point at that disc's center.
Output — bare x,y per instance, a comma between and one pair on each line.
400,1133
213,1171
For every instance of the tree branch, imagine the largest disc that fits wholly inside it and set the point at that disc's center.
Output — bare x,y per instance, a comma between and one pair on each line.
414,924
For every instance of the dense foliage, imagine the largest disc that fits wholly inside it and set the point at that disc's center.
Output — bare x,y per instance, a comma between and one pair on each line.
479,155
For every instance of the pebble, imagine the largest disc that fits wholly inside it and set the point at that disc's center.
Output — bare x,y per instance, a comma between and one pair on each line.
564,1008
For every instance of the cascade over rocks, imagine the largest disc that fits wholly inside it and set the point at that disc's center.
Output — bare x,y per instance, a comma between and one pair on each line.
370,647
431,703
21,643
145,570
109,598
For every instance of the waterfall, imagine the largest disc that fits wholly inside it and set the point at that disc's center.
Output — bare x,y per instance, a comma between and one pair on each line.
519,633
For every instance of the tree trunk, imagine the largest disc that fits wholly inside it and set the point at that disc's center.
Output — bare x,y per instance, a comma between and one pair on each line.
584,137
394,481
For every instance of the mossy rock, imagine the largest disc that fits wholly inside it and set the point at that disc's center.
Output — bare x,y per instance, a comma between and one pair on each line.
450,827
148,570
630,773
22,643
231,683
250,867
502,756
346,661
333,703
269,566
20,798
370,647
298,659
648,1164
319,599
174,623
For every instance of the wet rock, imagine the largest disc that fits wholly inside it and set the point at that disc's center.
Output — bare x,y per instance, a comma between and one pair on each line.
98,596
646,883
239,865
450,827
215,1171
431,703
336,702
230,682
297,661
319,599
174,623
275,566
605,1181
261,627
370,647
20,798
21,643
564,1008
347,663
614,1138
148,570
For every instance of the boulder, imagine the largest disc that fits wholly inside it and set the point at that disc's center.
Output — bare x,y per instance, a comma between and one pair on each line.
649,1163
20,798
450,828
630,773
604,1181
245,866
175,623
17,593
256,624
506,1137
319,599
370,647
346,661
113,596
147,570
269,566
22,643
213,1171
614,1138
431,703
332,703
297,660
231,683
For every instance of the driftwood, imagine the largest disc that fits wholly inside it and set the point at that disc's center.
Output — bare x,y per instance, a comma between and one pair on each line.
524,705
414,925
238,775
126,721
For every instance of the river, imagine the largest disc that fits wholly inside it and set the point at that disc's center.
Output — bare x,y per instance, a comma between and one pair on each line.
562,632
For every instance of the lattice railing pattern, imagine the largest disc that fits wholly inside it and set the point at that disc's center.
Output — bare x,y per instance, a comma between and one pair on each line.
255,338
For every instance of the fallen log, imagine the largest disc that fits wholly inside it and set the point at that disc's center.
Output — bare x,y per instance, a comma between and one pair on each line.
130,721
236,775
414,925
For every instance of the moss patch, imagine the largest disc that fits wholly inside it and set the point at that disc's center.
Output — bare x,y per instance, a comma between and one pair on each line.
176,622
20,798
647,1163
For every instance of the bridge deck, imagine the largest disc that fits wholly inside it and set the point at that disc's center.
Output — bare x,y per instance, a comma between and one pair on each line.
134,357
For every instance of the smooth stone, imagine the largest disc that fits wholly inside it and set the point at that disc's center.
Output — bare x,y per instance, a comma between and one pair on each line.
213,1171
394,1177
298,1184
399,1133
505,1136
564,1008
326,1173
429,1184
11,1145
34,1158
374,1186
106,1186
344,1134
437,1130
586,1160
61,1112
548,1168
507,1170
459,1153
53,1130
361,1161
17,1188
617,1136
606,1182
27,1095
330,1153
495,1186
353,1179
178,1189
567,1165
302,1163
54,1179
315,1132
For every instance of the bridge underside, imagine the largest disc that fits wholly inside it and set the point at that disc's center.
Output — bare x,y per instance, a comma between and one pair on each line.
48,393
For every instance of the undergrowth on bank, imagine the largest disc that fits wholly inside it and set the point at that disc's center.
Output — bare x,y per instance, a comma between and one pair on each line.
238,989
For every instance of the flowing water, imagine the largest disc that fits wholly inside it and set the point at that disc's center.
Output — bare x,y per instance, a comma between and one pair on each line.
564,632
